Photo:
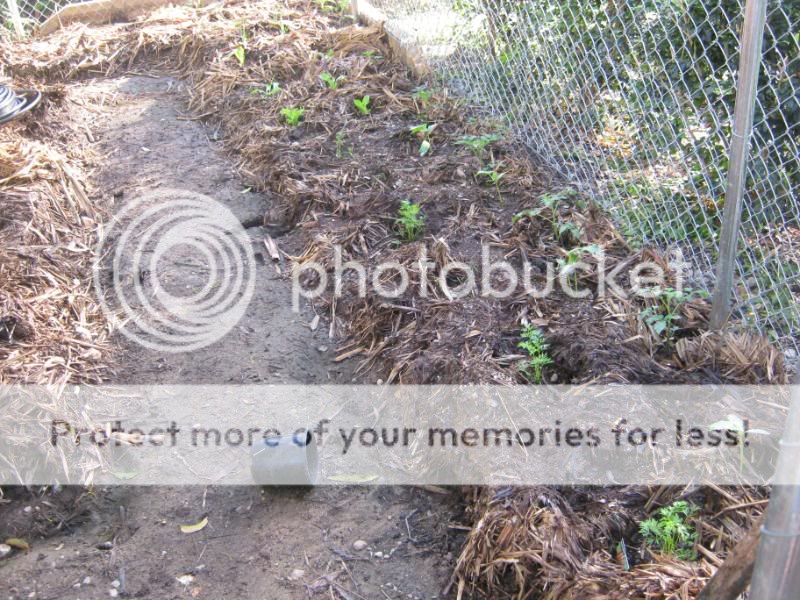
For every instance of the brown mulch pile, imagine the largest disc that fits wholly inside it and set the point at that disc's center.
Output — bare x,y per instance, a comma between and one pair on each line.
338,180
52,330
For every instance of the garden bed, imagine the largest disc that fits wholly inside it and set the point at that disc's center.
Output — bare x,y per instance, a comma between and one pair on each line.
338,177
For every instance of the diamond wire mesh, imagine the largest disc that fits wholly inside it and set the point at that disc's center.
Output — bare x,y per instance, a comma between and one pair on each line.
632,102
32,12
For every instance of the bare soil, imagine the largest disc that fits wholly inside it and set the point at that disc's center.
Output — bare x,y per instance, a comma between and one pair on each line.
275,543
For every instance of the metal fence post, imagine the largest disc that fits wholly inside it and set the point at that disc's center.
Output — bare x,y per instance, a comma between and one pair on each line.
776,575
16,19
746,89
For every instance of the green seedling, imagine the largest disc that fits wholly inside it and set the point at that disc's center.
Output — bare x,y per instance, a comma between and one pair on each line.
662,317
371,54
283,26
341,145
562,230
410,220
735,424
362,105
528,213
568,231
493,176
535,344
478,143
423,133
670,531
573,257
270,89
331,81
421,98
293,115
240,52
340,6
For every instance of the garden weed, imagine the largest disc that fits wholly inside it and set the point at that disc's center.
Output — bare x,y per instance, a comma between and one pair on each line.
292,115
670,532
535,344
410,221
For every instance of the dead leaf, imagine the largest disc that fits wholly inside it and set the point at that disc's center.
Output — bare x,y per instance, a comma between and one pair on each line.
272,248
196,527
18,543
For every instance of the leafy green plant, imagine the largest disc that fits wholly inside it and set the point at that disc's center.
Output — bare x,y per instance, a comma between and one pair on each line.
423,133
331,81
410,220
293,115
270,89
670,530
562,230
528,213
371,54
535,344
568,231
362,105
340,6
493,176
281,25
421,97
478,143
573,257
662,317
240,52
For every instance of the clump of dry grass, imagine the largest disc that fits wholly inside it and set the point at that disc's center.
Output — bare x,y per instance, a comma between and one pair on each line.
52,330
554,544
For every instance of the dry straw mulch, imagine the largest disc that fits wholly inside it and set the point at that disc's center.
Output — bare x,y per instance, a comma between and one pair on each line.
52,331
337,180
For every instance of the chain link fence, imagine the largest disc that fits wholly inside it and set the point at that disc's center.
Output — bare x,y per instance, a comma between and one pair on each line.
21,17
632,103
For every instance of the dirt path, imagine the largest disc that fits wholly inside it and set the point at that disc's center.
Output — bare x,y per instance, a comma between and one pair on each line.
259,543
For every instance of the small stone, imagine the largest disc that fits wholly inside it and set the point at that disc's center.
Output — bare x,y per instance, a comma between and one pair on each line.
113,593
185,579
296,574
322,348
115,584
359,545
379,554
87,580
5,550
